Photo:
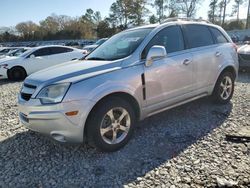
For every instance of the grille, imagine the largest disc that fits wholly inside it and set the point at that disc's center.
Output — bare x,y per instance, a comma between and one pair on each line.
245,57
27,91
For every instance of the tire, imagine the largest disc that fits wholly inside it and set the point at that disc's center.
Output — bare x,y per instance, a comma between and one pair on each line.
101,119
17,74
224,88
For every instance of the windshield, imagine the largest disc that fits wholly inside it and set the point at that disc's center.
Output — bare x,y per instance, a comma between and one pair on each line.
120,45
26,53
99,42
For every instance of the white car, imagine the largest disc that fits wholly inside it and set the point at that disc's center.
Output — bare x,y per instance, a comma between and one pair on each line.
17,68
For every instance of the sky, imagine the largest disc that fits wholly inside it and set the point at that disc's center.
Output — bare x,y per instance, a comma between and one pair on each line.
16,11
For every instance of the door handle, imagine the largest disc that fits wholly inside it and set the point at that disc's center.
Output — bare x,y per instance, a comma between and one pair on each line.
186,62
217,54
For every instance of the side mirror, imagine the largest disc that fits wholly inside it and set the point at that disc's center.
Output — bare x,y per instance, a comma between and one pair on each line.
155,52
32,56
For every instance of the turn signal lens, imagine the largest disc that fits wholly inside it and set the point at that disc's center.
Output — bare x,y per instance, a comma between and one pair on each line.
72,113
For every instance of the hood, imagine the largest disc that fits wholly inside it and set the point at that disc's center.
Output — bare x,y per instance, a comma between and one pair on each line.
91,46
6,59
72,71
244,49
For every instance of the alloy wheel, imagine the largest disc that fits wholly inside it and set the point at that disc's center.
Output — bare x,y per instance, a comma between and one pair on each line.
226,87
115,125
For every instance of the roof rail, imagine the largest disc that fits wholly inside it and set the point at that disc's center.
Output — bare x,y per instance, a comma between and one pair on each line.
183,19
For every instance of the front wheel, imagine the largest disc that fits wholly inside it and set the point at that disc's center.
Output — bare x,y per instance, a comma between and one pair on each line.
17,74
224,88
111,124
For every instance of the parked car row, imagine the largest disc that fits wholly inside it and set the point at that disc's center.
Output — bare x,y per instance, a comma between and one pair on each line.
133,75
9,52
18,63
73,43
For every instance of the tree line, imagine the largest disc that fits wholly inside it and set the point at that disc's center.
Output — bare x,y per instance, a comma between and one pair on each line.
123,14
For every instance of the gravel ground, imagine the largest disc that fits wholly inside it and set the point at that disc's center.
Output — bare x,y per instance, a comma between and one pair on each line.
182,147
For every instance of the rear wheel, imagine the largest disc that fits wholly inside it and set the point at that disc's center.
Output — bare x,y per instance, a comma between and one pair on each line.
111,124
224,88
17,73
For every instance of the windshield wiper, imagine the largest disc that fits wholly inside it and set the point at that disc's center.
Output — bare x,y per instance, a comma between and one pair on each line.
95,58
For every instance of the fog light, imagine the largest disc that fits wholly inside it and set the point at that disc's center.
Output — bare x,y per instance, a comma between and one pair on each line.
72,113
58,137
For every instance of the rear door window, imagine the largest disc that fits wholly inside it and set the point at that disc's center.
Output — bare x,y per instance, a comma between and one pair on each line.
171,38
60,50
218,36
198,36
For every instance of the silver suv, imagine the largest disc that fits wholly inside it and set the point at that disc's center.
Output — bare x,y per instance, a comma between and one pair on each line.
135,74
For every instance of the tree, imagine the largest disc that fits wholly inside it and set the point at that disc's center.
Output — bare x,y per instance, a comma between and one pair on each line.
91,20
153,19
104,30
248,15
212,11
234,25
27,29
165,9
225,3
173,8
92,17
8,37
160,6
220,11
188,7
138,11
236,8
120,12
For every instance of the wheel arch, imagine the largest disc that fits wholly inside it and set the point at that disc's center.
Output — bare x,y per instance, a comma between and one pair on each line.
128,97
229,68
16,66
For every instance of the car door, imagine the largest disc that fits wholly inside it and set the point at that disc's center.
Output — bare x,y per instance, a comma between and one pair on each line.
201,44
60,55
37,60
170,79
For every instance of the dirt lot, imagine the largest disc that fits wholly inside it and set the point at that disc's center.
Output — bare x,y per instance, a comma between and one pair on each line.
182,147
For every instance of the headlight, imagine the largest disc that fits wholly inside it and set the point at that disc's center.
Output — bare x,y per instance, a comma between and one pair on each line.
4,66
53,93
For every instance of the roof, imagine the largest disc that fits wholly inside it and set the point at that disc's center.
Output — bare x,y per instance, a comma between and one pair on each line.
173,20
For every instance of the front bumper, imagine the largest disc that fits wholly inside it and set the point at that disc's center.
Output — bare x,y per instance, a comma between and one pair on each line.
244,60
51,120
3,73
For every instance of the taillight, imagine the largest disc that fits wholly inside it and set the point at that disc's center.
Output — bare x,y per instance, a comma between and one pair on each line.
235,46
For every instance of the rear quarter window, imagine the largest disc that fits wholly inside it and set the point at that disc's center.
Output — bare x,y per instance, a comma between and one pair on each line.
198,36
218,36
42,52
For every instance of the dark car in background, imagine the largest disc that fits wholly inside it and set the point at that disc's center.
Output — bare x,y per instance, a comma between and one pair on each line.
90,48
244,56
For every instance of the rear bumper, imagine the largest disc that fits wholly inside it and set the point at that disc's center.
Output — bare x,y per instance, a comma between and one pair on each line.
51,120
244,62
